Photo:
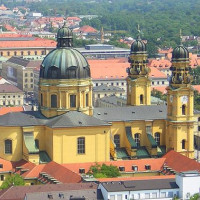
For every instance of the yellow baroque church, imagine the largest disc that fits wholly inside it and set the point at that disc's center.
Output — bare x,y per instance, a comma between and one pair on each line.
67,129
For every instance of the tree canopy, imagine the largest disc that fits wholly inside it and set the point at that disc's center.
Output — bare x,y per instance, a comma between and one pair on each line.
12,180
104,171
160,20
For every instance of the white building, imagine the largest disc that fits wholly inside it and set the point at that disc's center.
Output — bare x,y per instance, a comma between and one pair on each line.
183,186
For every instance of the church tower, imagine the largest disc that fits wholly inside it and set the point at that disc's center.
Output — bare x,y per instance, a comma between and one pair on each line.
138,82
180,94
65,83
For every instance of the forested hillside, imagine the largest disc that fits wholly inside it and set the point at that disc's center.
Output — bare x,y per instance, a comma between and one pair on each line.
160,20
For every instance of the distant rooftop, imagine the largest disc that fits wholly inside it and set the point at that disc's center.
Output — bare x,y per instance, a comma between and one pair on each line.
17,38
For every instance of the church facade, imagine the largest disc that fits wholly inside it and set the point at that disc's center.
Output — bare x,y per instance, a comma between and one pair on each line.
67,129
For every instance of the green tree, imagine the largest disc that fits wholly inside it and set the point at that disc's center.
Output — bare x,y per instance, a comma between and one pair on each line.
195,197
158,94
12,180
104,171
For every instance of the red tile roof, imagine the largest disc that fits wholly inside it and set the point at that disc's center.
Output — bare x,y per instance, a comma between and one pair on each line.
108,69
9,27
7,165
14,35
2,7
156,164
135,178
160,88
165,51
73,19
116,69
9,88
61,173
180,163
196,87
37,42
159,63
87,29
155,73
53,169
5,110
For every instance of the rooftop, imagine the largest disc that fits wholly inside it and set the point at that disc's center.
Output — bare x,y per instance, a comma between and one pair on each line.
131,113
34,118
136,185
9,88
19,192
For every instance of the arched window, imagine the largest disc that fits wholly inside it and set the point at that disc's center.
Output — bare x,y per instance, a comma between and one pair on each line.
37,143
81,145
8,53
53,101
183,144
183,109
41,99
22,53
8,146
1,53
157,138
117,140
199,119
29,53
141,99
36,53
15,53
137,139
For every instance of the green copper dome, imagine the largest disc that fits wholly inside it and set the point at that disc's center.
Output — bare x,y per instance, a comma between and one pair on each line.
64,62
138,47
180,53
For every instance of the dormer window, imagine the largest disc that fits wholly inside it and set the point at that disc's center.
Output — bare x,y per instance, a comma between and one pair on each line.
135,168
148,167
121,168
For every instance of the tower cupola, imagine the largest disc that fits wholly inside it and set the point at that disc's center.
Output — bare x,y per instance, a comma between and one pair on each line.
180,54
138,47
180,67
64,37
138,82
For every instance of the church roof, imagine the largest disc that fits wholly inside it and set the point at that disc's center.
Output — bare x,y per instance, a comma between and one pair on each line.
131,113
74,119
35,118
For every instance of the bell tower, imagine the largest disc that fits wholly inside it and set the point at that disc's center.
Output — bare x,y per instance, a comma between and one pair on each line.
180,103
138,82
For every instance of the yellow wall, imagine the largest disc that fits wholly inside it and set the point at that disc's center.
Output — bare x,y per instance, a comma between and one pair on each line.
63,88
180,127
138,127
97,144
14,134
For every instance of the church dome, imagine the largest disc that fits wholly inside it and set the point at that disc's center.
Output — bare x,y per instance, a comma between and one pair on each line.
64,62
138,47
180,53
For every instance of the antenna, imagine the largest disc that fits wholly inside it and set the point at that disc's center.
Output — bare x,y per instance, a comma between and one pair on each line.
102,35
139,32
180,35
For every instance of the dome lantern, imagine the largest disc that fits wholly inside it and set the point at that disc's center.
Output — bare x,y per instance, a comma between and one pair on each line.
64,37
138,47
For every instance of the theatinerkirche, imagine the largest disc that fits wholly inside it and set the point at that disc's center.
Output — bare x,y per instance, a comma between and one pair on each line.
67,129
